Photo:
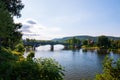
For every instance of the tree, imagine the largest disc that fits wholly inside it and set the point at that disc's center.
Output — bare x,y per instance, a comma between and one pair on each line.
31,55
103,42
13,6
6,22
9,34
73,41
111,70
85,42
115,44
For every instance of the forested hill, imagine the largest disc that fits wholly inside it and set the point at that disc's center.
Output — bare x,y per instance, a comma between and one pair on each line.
84,38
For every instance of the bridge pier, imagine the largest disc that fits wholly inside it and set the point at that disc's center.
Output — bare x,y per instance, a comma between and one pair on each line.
52,48
33,48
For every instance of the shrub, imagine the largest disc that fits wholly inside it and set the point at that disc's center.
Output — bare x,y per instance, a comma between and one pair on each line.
7,55
50,69
31,55
20,48
37,69
12,68
111,70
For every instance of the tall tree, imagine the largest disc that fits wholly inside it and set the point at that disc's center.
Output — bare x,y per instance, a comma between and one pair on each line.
103,42
9,34
85,42
13,6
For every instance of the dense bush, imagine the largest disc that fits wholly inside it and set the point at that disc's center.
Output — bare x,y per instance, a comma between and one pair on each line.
11,68
7,55
37,69
20,48
111,70
31,55
50,69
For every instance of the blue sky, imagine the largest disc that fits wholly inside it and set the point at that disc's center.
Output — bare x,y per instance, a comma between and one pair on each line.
59,18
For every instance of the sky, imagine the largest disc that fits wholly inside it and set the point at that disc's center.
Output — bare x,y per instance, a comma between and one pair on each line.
49,19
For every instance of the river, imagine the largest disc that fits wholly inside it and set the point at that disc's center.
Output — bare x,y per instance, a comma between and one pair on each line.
78,64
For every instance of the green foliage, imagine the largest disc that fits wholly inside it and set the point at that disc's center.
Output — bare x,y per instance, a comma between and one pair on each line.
73,41
50,69
31,55
12,68
111,70
103,42
31,40
13,6
7,55
89,43
6,22
6,60
20,48
115,44
5,70
9,34
38,69
85,42
25,70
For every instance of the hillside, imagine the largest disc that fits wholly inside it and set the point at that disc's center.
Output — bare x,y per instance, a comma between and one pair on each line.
84,38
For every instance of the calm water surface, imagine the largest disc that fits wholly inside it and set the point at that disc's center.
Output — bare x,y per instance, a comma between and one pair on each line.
78,64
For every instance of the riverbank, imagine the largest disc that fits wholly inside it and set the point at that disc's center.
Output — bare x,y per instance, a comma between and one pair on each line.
97,48
90,48
115,50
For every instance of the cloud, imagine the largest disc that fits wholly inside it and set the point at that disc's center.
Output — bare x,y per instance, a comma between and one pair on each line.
31,21
32,29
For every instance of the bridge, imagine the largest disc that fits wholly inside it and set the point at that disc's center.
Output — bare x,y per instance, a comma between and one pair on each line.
37,44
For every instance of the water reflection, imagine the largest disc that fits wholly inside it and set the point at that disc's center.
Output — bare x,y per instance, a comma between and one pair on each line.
103,51
43,48
58,47
88,50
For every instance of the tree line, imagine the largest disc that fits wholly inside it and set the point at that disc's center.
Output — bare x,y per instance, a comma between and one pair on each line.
103,42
